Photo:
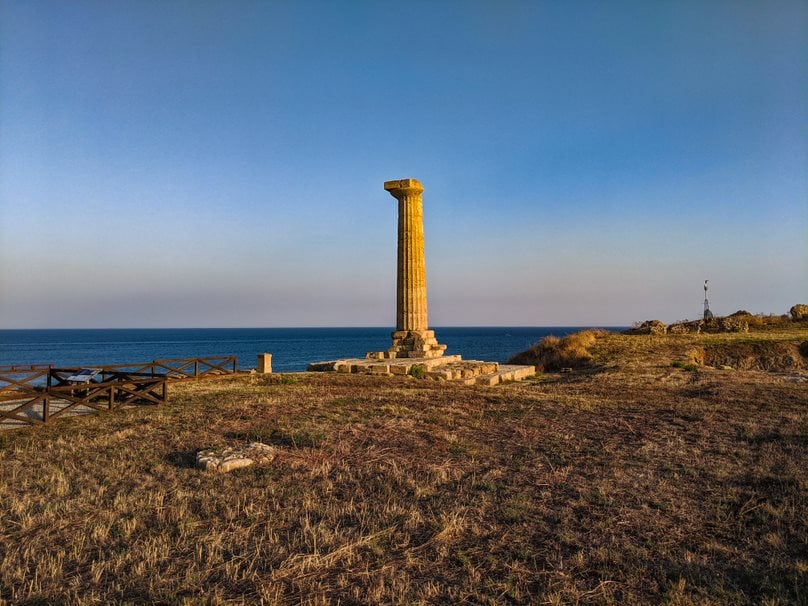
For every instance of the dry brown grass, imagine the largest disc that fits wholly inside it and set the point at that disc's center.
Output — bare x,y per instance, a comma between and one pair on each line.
553,353
638,483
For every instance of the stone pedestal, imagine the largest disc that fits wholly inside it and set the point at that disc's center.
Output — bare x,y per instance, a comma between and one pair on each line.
415,344
265,363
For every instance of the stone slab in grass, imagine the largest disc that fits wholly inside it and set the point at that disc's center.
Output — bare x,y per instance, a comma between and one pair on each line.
227,459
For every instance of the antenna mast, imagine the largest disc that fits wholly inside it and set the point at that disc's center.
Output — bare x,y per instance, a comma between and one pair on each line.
708,315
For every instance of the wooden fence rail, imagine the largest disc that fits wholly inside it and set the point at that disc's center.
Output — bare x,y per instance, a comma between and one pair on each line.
36,405
36,393
183,369
17,376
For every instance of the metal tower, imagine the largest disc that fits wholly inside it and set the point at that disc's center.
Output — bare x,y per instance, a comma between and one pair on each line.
708,315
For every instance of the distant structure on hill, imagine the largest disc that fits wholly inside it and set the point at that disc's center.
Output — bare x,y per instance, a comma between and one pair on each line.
708,315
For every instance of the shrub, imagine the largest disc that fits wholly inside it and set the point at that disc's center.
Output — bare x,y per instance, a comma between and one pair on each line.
417,371
552,353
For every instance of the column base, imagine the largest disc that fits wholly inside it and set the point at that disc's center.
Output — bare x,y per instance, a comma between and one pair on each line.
410,344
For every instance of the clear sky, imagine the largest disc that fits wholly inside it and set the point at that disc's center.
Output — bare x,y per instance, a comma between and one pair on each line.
221,163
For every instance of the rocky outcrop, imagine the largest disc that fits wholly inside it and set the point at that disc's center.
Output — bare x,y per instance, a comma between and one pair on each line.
799,312
728,324
733,323
649,327
685,328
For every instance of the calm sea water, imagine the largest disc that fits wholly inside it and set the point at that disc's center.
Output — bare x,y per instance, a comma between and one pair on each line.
291,348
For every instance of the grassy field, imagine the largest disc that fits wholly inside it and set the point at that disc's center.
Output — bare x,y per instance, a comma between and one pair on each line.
641,479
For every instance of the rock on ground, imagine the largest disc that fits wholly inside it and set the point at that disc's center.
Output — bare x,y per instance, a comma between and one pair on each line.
235,457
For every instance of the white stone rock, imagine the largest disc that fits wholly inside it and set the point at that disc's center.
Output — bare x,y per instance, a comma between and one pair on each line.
228,459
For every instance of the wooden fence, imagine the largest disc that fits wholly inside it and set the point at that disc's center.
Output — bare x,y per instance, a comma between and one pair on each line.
37,393
182,369
37,404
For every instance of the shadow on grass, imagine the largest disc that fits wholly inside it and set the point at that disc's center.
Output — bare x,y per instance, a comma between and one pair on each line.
184,459
296,438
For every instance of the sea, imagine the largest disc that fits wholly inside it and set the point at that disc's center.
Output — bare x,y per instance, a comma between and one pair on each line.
292,349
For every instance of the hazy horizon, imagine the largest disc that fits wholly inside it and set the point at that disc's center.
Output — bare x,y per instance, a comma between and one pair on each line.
212,164
392,328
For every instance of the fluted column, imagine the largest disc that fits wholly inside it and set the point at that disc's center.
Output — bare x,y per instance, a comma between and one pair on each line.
411,306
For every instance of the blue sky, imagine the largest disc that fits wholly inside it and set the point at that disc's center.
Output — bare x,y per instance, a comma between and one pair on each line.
221,163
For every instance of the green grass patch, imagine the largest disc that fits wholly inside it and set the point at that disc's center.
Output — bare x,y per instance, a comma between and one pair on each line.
417,371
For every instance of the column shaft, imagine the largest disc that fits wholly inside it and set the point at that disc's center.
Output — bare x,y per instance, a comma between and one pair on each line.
411,304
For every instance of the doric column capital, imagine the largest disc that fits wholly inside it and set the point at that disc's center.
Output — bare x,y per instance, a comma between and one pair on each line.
404,188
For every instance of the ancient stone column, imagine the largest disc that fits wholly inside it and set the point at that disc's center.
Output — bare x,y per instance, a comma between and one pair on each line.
412,337
411,308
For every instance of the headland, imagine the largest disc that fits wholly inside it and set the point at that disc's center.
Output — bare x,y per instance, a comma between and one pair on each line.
664,468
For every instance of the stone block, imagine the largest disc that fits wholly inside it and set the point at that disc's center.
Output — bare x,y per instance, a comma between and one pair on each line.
231,464
488,380
517,372
265,363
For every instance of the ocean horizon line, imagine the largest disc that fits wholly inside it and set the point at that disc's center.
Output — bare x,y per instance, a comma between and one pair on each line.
392,328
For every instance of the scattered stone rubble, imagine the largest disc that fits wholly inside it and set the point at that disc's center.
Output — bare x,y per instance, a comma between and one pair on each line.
445,368
235,457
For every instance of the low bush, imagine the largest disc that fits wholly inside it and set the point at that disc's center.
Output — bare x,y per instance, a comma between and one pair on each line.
553,353
418,371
